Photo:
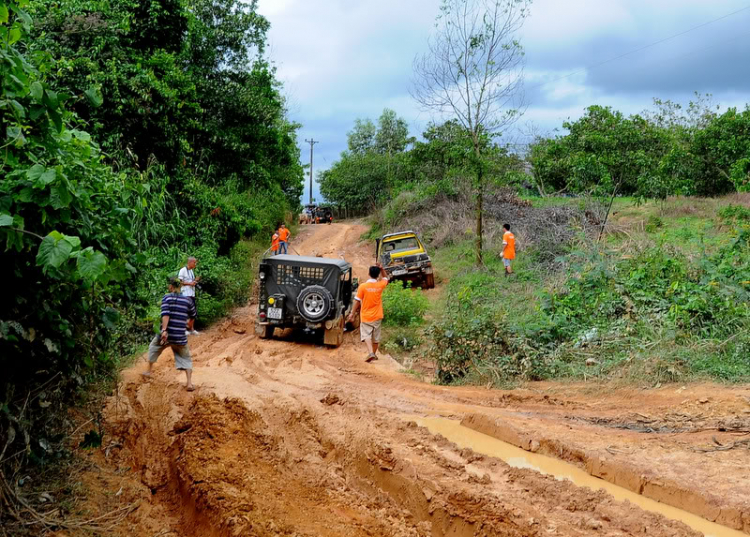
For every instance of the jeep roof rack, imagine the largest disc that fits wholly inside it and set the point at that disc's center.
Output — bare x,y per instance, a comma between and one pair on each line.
398,233
308,260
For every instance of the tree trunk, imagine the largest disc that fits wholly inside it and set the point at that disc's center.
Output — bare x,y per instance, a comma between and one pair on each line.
539,185
609,208
480,209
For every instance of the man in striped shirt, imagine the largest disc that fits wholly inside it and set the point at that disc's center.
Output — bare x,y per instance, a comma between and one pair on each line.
176,310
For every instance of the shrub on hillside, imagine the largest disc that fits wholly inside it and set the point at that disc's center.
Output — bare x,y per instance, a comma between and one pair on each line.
708,297
404,306
475,341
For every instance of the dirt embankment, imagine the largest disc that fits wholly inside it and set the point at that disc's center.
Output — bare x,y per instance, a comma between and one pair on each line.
286,437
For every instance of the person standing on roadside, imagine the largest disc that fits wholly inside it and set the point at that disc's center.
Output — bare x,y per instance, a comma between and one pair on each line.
509,249
284,235
275,243
370,301
189,281
176,311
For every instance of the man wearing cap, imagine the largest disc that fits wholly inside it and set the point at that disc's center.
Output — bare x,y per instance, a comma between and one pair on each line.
176,311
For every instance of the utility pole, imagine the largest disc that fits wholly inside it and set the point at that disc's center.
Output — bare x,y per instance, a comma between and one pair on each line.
312,142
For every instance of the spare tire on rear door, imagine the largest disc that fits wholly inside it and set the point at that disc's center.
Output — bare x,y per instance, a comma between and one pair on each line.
314,303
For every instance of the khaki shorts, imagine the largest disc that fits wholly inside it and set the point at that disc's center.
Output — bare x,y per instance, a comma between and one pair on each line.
182,358
370,331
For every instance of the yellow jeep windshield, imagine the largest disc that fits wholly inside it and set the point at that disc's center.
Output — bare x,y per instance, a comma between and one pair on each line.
400,246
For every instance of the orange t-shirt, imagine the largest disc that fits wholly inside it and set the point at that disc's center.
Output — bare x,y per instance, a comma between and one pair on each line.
509,251
275,243
370,296
283,234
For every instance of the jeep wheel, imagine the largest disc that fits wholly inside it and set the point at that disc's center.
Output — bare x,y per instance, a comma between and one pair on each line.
314,303
429,281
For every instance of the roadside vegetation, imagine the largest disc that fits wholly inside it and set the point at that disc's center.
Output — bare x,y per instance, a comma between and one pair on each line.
633,263
660,300
136,133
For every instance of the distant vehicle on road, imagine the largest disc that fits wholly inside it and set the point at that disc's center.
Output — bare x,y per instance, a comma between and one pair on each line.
405,258
323,215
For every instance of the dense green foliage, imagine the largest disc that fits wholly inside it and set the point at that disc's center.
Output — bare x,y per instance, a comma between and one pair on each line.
183,83
135,133
654,155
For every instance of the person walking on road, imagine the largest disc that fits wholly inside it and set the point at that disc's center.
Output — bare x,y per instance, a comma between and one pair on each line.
284,235
275,243
509,249
189,281
369,301
176,311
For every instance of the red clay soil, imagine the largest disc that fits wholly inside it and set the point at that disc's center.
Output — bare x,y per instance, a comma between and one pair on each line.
287,437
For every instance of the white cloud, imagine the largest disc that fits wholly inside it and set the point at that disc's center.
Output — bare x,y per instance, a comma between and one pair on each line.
344,59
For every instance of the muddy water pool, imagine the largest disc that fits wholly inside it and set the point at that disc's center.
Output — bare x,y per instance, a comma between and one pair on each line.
519,458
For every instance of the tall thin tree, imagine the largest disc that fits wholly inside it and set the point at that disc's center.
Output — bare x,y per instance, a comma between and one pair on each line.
473,71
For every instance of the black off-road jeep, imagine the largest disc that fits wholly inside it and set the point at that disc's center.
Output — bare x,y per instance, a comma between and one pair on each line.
316,293
323,215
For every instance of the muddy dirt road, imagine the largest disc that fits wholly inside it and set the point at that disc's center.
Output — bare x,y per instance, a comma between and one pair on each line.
286,437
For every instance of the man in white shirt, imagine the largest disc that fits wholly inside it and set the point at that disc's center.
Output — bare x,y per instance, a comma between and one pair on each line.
189,281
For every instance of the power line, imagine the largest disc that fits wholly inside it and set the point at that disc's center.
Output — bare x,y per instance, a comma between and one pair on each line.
592,66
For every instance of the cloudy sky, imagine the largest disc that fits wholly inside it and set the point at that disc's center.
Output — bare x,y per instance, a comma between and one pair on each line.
341,60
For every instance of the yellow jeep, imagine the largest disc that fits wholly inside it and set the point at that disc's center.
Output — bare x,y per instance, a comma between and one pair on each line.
404,258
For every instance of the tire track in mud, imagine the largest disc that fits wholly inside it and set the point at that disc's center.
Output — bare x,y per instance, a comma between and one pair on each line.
286,437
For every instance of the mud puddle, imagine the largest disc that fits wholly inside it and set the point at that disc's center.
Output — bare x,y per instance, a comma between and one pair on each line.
518,458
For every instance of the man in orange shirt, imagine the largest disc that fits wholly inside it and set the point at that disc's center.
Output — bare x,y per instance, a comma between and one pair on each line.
509,249
370,301
283,239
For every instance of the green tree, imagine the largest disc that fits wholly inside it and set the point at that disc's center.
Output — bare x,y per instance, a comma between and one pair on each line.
361,139
717,155
473,73
356,182
391,139
392,135
605,154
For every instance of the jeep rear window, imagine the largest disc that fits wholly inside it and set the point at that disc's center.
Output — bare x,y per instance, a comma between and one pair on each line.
296,275
407,243
285,275
311,273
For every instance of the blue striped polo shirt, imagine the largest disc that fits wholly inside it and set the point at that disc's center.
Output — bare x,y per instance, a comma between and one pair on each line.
180,309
